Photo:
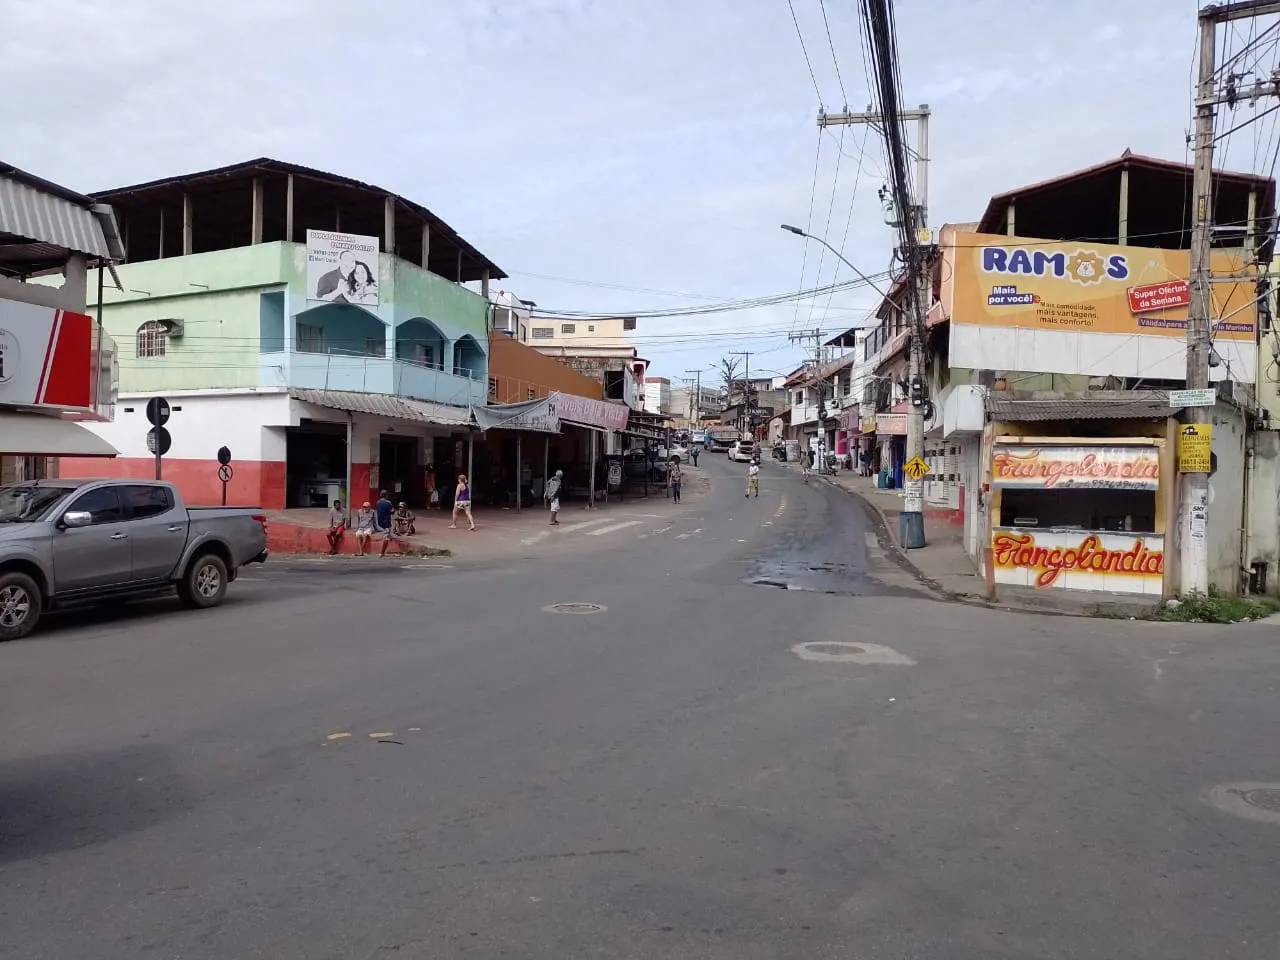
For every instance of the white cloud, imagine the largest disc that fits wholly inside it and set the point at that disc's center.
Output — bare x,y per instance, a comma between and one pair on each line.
648,144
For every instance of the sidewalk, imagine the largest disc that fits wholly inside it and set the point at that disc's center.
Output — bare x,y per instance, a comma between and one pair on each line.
499,532
944,565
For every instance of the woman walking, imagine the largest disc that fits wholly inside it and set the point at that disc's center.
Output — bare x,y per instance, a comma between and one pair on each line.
676,477
462,502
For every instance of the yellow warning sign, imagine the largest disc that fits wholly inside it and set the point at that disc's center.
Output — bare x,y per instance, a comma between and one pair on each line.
1195,441
916,468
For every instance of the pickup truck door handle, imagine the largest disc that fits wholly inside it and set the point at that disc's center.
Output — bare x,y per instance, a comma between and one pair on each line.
119,536
174,528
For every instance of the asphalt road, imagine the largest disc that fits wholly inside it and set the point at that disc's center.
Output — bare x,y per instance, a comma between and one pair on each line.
396,759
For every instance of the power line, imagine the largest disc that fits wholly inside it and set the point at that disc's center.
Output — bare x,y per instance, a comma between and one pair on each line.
805,50
831,44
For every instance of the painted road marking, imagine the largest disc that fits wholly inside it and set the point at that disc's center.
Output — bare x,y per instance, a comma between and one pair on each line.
654,533
686,536
613,528
379,736
782,508
428,566
337,736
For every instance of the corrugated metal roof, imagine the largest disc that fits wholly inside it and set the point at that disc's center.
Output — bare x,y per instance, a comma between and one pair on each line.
1138,405
385,405
45,217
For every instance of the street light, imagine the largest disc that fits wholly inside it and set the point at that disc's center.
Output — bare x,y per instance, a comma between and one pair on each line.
861,276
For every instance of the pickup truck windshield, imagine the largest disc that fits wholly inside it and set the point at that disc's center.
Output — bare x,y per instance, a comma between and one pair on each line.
26,503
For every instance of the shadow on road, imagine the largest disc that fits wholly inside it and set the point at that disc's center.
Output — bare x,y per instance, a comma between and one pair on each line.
61,802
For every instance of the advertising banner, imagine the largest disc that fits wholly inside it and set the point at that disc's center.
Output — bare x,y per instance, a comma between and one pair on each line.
1195,448
538,416
1088,287
891,424
1055,468
48,357
590,413
342,268
1073,560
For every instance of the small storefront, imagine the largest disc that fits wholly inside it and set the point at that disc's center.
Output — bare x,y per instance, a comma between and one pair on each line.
1080,513
891,438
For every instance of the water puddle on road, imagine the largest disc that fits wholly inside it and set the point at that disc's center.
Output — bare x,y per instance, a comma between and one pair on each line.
837,579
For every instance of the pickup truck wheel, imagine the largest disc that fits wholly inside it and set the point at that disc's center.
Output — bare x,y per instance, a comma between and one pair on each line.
20,605
205,582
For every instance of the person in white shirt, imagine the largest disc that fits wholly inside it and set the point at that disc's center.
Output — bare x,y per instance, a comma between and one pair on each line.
753,479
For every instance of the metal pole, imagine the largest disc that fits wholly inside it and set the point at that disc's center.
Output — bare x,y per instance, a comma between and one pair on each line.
1193,514
591,483
546,462
519,474
351,432
157,436
471,456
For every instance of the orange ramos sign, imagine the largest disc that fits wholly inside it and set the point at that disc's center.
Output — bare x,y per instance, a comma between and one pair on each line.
1046,557
1045,468
1086,287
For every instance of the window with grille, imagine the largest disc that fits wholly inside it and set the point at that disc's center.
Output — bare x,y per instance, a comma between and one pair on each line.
544,333
310,338
493,387
533,394
375,347
568,327
153,339
628,323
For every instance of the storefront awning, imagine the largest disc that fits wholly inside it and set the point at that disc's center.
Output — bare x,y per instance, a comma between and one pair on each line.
534,416
35,435
385,405
1103,405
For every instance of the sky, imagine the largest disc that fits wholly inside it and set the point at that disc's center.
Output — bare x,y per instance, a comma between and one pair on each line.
610,155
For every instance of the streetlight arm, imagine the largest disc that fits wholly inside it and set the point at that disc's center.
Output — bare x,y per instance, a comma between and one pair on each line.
843,259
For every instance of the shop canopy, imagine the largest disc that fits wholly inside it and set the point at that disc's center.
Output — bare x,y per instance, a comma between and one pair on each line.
385,405
37,435
1097,405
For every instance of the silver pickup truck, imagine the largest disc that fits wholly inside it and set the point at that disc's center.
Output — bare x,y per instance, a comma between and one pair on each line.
67,542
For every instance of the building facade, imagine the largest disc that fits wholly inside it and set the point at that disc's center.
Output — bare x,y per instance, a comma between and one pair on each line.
657,395
320,323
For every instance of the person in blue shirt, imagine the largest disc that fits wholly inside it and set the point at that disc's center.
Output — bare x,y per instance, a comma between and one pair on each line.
384,508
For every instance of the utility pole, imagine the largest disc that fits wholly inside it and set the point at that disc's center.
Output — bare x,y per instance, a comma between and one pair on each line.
912,521
746,389
819,385
697,393
1193,513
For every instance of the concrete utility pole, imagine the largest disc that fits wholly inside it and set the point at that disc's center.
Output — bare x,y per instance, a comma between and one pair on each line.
746,386
1193,513
697,399
816,336
912,529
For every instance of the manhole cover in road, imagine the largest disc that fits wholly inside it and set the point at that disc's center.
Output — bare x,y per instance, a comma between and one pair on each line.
838,651
579,608
1253,801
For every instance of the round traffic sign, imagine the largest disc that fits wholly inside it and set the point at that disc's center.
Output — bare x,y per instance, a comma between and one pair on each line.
159,436
225,472
158,411
224,455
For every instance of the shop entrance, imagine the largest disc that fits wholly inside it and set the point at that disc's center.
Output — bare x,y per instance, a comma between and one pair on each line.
398,470
315,464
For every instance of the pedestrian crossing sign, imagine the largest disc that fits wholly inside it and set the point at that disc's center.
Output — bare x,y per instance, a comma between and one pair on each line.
916,468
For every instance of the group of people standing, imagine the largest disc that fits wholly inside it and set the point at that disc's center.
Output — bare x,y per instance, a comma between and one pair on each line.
393,522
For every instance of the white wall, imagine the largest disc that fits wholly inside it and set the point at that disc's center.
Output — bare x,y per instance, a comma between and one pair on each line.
1226,493
1092,354
1264,521
204,423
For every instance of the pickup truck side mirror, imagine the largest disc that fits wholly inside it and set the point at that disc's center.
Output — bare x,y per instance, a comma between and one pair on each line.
76,518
